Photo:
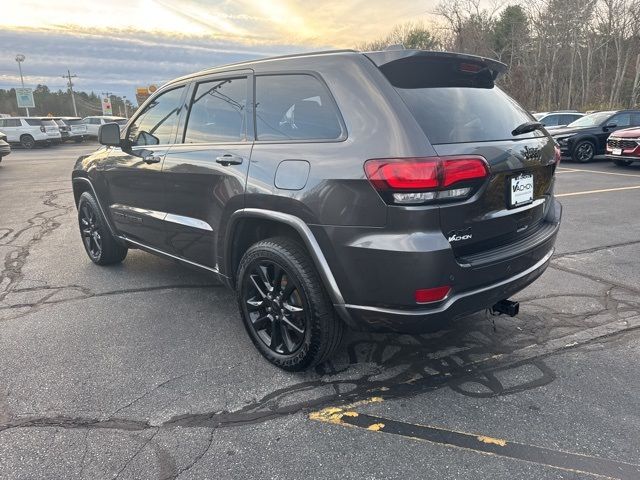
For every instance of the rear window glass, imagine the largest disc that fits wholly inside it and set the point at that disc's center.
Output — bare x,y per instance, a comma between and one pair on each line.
49,123
75,122
460,114
33,122
454,101
295,107
60,123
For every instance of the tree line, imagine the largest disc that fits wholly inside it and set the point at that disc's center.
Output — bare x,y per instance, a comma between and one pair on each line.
59,103
562,54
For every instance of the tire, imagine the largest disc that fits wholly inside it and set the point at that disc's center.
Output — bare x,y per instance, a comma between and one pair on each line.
583,151
79,140
623,163
291,321
100,245
27,142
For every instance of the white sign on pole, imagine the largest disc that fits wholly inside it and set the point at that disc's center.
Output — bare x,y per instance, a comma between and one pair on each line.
106,106
25,98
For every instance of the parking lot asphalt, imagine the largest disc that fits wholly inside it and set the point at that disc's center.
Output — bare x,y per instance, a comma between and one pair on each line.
144,370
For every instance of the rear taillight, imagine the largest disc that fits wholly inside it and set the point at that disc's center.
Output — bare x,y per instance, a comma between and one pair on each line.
42,129
420,180
557,155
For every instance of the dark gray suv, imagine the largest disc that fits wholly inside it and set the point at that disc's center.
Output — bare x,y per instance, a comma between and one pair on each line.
381,190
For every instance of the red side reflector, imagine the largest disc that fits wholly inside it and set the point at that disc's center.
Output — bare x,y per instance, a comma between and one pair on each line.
428,295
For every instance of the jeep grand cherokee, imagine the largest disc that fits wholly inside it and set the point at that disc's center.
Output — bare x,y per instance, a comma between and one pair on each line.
380,190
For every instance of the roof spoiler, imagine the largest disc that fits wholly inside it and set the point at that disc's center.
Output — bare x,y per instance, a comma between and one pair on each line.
384,57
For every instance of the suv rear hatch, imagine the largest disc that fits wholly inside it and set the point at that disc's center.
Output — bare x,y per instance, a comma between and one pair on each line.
463,114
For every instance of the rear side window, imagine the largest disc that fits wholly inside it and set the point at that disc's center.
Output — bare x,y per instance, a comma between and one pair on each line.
33,122
218,112
455,102
157,122
295,107
621,120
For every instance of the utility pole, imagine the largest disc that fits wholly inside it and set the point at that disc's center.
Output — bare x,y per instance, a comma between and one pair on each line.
68,76
126,112
20,58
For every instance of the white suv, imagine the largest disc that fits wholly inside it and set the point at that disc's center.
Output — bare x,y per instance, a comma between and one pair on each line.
30,131
93,123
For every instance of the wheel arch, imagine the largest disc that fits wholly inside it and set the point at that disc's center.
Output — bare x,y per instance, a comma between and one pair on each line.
249,225
82,185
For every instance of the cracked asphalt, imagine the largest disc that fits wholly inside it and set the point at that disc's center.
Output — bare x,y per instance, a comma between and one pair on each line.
144,370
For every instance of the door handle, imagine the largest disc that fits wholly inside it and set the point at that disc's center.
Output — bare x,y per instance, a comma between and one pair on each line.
152,159
228,159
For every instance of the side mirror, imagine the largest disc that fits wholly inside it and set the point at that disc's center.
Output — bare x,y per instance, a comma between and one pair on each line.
109,134
609,125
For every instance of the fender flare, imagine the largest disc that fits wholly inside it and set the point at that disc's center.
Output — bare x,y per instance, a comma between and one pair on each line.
305,233
588,137
79,179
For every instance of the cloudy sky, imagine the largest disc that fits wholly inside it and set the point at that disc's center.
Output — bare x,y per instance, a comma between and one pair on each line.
117,45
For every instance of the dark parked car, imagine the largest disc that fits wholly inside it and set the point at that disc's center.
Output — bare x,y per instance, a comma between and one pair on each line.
381,190
557,119
623,147
5,148
587,137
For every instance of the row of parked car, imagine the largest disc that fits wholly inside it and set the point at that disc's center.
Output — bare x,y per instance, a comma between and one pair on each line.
32,131
614,133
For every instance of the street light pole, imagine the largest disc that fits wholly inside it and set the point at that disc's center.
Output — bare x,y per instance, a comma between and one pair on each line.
20,58
68,76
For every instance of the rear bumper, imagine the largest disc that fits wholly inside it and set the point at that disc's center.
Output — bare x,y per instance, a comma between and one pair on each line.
457,305
378,291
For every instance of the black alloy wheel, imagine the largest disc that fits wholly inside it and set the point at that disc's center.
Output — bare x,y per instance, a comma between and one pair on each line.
584,151
275,306
90,232
284,306
99,243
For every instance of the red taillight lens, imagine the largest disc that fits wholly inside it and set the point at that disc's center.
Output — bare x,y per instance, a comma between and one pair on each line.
459,170
405,174
422,174
428,295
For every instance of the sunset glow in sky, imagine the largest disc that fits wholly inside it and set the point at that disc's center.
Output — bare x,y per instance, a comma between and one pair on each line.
98,40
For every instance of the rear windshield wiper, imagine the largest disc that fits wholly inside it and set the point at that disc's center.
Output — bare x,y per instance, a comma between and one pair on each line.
527,127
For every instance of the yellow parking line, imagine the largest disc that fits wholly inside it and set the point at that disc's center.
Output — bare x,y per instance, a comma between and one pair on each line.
587,192
482,444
